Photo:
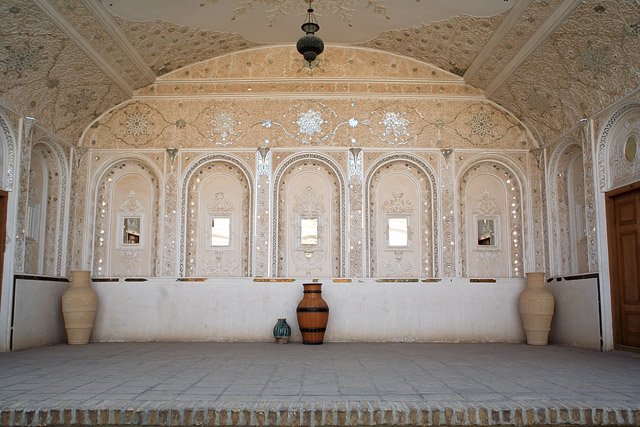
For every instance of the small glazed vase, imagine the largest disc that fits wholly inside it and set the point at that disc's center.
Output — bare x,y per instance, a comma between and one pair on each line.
313,314
79,304
282,331
536,307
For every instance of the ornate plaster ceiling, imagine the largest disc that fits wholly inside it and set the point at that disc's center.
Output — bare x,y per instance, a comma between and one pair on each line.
551,62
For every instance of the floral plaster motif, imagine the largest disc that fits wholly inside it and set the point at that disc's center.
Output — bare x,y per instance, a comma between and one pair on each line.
275,122
534,16
587,64
84,22
39,67
167,47
282,61
451,45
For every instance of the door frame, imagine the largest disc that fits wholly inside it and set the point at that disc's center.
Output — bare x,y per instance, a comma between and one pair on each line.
613,261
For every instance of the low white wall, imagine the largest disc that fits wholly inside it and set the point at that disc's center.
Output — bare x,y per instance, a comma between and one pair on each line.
576,320
452,310
38,313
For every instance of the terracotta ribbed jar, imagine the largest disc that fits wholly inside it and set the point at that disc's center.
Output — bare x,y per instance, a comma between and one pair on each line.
536,306
79,304
313,314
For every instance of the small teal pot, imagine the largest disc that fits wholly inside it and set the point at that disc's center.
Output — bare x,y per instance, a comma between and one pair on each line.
282,331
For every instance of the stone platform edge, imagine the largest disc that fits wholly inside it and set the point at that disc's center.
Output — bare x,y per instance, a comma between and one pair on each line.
322,413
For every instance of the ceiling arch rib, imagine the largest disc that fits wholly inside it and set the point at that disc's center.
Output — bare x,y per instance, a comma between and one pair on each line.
67,28
105,19
497,38
559,15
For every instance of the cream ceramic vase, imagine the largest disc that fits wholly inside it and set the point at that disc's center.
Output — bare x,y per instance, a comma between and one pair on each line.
79,304
536,306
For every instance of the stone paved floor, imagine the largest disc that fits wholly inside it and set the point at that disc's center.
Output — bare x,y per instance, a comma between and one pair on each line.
487,383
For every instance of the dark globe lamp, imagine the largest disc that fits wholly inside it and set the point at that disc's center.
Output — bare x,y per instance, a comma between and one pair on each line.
310,45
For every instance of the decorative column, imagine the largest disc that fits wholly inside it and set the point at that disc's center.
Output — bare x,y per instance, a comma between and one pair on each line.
77,256
356,212
169,255
262,214
447,213
590,197
25,164
536,261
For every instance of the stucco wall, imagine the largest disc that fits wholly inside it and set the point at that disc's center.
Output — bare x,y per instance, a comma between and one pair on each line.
576,320
452,310
38,313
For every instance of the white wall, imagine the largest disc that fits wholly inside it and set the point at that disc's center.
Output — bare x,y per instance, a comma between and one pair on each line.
576,321
38,313
453,310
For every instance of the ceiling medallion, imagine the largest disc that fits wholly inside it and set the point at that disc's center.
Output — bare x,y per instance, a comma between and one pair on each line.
310,45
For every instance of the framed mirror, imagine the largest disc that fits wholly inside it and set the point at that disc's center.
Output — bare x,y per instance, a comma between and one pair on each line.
486,232
220,231
309,231
398,232
131,230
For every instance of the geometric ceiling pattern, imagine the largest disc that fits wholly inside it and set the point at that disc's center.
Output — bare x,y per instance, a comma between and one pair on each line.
549,62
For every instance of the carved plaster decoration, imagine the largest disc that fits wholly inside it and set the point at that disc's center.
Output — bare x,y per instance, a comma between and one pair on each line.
559,199
584,72
132,206
264,163
279,123
395,267
137,124
611,147
513,212
263,172
170,222
171,152
220,205
427,216
342,8
219,267
486,204
107,239
309,202
8,152
279,231
397,205
196,174
128,263
57,171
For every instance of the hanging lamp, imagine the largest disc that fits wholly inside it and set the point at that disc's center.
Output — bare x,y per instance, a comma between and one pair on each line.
310,45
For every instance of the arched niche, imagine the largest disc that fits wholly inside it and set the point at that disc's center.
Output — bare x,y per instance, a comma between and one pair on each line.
567,210
45,210
490,227
217,219
309,221
126,228
401,217
619,149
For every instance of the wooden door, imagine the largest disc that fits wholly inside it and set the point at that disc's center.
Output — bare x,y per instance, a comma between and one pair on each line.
625,267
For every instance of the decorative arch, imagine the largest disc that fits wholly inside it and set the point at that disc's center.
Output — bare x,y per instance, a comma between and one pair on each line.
331,222
7,154
567,215
425,236
491,189
46,217
127,188
216,261
613,169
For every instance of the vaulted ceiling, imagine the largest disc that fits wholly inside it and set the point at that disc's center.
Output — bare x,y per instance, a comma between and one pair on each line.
550,62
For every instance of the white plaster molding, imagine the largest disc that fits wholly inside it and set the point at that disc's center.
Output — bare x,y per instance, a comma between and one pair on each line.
96,8
68,29
498,36
557,18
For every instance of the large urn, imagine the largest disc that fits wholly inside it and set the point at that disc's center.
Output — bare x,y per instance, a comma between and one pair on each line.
536,307
79,304
313,314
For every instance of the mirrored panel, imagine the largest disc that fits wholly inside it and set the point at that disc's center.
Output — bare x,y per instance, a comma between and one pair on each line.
309,231
131,226
220,231
486,232
398,232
